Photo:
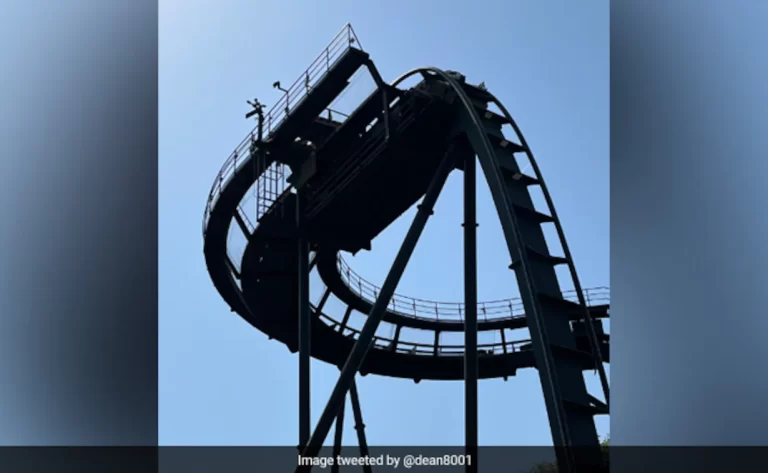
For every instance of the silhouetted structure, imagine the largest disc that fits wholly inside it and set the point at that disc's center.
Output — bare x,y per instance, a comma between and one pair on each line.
325,183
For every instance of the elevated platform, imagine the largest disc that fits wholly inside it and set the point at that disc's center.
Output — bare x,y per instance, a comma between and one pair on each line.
373,173
307,108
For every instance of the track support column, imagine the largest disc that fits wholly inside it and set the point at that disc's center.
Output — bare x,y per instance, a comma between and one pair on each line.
470,309
359,425
304,328
338,436
365,340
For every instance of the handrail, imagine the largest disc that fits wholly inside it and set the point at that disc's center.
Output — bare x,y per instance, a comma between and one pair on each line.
340,44
453,311
400,304
427,349
330,54
425,309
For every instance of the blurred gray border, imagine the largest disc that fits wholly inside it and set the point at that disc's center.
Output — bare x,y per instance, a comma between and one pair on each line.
78,238
689,266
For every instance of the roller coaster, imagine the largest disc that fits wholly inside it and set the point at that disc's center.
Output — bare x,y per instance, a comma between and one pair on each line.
322,185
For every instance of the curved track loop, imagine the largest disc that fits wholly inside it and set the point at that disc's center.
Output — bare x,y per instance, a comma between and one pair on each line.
453,312
218,219
333,339
406,311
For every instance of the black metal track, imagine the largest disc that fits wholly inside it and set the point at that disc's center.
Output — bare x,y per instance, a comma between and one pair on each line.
262,287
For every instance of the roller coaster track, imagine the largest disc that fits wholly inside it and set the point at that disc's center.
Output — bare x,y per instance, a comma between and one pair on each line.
261,284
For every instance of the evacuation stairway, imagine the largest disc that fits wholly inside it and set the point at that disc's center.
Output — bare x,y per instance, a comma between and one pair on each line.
571,408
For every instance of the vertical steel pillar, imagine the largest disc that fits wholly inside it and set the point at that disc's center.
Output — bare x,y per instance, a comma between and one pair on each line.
304,327
359,425
338,436
470,308
365,340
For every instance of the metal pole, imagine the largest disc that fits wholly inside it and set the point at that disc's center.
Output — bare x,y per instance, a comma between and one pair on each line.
365,340
470,317
260,152
338,436
359,425
260,112
304,329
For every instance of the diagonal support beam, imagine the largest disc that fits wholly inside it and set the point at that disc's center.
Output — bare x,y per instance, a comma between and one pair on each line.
338,436
384,99
365,340
323,300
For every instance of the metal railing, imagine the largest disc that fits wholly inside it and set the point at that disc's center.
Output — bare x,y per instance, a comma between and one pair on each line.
433,310
436,310
292,97
339,45
453,311
427,349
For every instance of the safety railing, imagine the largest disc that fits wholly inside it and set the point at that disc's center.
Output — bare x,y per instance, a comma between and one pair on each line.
435,310
427,349
422,308
292,97
294,94
453,311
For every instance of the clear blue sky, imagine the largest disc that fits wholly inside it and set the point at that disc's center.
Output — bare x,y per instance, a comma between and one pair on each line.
221,381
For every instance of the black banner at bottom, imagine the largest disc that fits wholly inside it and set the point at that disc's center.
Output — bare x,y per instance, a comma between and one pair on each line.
380,459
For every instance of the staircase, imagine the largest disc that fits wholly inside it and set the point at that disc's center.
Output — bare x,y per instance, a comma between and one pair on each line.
556,347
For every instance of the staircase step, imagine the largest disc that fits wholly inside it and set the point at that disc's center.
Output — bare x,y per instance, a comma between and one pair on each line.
571,353
494,117
499,140
515,175
507,163
597,402
585,407
557,303
531,214
536,255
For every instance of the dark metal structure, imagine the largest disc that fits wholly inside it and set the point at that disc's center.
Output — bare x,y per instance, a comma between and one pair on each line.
321,184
